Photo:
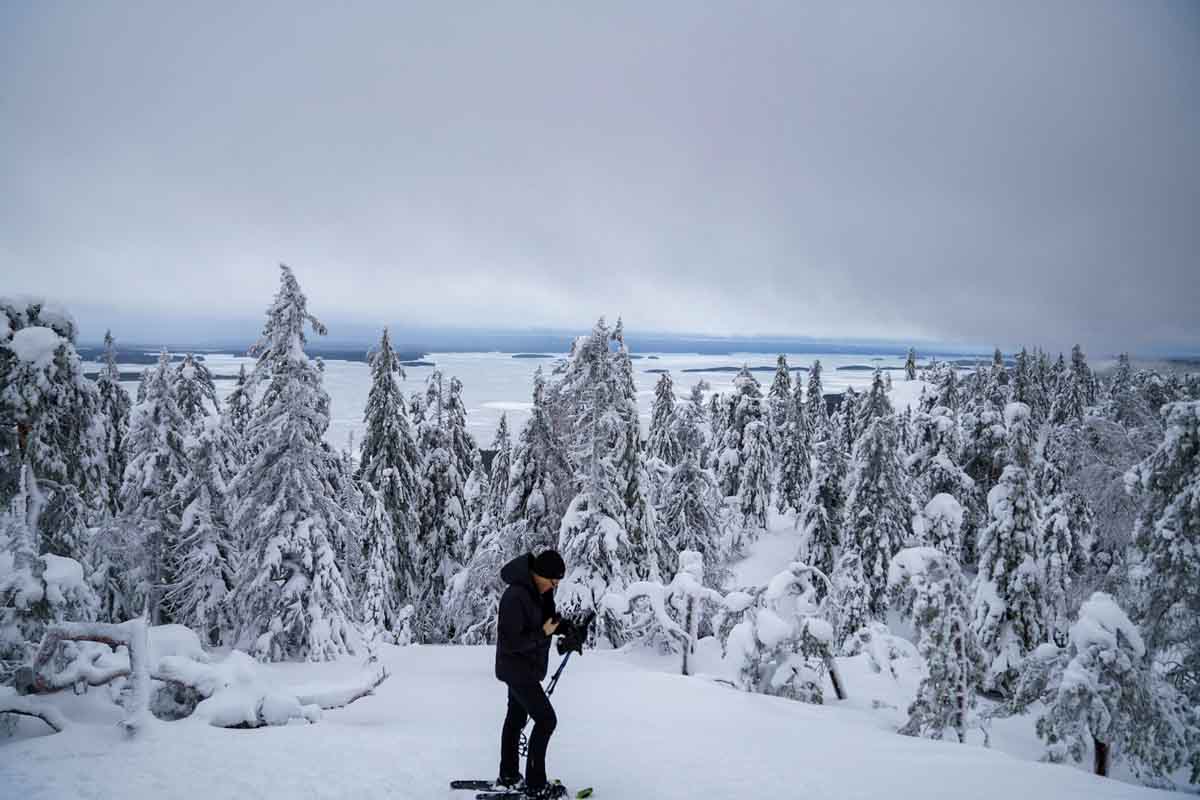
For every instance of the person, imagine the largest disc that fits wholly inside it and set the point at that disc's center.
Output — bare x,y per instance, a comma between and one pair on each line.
525,627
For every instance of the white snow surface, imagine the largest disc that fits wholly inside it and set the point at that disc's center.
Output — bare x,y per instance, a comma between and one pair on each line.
626,726
35,345
629,725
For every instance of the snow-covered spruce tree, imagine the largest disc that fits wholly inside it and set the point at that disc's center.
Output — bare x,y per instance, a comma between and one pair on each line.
195,392
440,551
941,524
1065,541
851,597
539,480
814,398
910,365
873,405
779,397
690,422
927,587
690,518
151,494
35,591
718,417
389,471
934,460
661,441
878,506
475,592
498,476
476,489
114,410
1074,391
744,407
205,553
639,520
794,449
593,539
1024,386
461,441
820,516
1102,698
1166,569
381,585
754,482
1009,594
56,412
290,598
844,420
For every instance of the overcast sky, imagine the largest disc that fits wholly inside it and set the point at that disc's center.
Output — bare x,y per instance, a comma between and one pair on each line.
972,172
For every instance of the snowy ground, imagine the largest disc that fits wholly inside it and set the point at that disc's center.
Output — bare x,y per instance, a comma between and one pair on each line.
628,726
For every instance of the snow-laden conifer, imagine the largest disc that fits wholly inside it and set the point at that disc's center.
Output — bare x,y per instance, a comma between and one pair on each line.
929,590
779,396
195,392
877,506
814,398
690,518
35,590
794,451
290,598
1009,594
205,553
754,482
389,470
56,412
114,410
1166,571
538,480
910,365
441,543
152,493
1103,699
821,509
661,441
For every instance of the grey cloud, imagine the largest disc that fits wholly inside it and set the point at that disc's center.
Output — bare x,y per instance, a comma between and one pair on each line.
1012,173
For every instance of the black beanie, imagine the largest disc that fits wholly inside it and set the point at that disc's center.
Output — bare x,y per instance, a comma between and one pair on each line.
549,564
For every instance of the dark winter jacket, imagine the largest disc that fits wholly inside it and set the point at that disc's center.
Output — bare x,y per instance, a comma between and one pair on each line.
522,646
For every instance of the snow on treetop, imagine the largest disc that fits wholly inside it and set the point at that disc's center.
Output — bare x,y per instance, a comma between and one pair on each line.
35,345
1014,412
1100,620
63,577
913,561
944,506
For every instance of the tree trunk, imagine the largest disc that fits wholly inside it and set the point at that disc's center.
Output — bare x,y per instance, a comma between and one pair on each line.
1101,749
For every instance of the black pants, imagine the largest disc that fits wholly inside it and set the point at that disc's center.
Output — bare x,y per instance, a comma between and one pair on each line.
525,701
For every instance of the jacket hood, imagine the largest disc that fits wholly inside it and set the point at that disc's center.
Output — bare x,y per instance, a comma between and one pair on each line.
519,571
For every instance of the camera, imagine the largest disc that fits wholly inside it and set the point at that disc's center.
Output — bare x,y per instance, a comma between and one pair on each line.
573,632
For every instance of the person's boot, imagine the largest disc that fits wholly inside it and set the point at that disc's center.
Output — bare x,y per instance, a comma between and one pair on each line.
513,783
550,791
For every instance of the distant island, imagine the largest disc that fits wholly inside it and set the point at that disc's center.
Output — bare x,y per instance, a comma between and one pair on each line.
739,369
532,355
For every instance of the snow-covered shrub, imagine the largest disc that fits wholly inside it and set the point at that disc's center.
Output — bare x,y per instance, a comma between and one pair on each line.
676,608
781,642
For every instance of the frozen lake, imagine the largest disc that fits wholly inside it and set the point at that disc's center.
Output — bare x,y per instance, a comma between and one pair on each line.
497,383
